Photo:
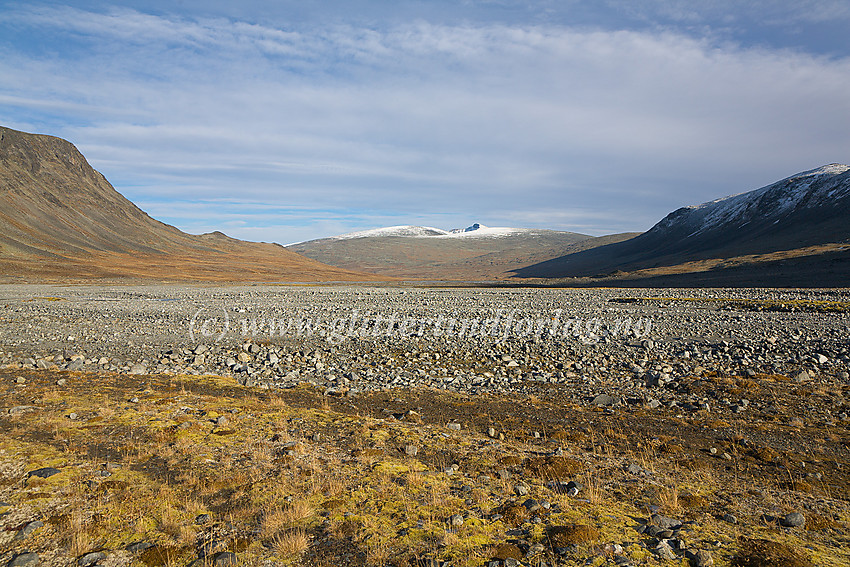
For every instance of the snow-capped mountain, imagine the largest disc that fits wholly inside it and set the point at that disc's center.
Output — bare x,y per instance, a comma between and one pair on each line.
401,230
818,188
472,253
476,230
805,210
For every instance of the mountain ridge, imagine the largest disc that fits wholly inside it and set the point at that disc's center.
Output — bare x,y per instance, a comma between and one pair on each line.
472,254
60,218
805,210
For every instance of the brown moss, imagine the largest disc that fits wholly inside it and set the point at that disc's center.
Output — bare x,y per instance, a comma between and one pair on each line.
692,501
572,534
765,454
670,449
798,485
559,468
332,504
514,515
766,553
816,522
507,551
160,556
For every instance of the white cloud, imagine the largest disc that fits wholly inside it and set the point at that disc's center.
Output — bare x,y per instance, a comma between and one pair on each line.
768,12
556,126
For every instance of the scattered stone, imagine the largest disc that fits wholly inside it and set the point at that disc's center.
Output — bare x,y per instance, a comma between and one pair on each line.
28,529
20,380
139,546
453,426
664,551
634,469
793,520
729,518
44,472
456,520
411,450
61,382
520,489
802,377
224,559
138,369
211,548
603,400
202,519
90,559
702,558
664,522
25,560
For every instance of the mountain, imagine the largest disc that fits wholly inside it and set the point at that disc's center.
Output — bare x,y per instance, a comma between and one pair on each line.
474,231
60,219
802,216
477,252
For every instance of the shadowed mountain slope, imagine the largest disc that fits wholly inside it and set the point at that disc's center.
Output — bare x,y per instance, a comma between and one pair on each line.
801,216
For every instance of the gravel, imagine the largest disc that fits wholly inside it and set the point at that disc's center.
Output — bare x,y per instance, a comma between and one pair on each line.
350,339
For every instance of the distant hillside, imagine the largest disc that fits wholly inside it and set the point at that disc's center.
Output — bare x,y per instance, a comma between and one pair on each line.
61,219
803,216
475,253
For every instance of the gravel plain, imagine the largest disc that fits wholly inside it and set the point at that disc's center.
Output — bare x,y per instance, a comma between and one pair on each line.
625,345
565,426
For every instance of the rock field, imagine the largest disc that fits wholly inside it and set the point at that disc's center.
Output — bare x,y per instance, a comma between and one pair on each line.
609,346
565,426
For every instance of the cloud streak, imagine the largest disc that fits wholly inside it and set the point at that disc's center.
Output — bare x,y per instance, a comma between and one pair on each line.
492,122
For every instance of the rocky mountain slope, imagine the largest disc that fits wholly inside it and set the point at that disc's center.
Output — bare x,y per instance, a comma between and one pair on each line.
477,252
59,218
802,218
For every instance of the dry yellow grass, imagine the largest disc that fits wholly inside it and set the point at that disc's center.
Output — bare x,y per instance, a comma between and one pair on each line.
352,488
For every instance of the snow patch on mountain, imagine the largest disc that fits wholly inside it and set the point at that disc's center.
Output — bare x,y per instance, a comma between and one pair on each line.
771,202
401,230
480,231
477,230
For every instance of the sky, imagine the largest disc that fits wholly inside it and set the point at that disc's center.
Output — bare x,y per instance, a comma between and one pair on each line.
288,120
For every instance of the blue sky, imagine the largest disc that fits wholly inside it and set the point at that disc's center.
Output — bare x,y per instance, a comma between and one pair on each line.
289,120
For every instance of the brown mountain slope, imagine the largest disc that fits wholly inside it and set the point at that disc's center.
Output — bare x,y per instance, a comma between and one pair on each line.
447,257
62,220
